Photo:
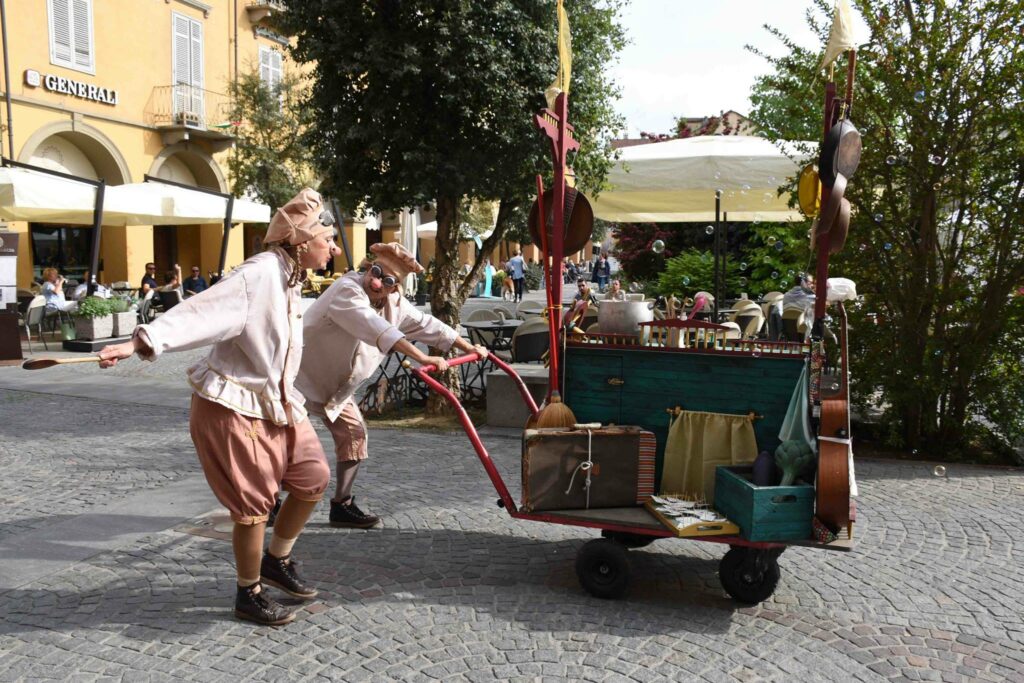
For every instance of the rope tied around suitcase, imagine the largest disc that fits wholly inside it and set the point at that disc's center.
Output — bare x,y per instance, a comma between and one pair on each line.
585,466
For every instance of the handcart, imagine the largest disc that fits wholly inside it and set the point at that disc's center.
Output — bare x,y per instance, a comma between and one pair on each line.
749,571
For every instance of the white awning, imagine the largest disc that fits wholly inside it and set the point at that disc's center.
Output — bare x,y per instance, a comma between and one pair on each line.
27,195
675,181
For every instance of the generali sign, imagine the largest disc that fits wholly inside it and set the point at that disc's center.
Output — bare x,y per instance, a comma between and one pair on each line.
67,86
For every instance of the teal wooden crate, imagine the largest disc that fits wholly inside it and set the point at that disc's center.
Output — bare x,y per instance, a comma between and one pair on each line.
763,513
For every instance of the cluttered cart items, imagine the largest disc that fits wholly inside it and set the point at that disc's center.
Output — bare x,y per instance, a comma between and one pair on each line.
686,515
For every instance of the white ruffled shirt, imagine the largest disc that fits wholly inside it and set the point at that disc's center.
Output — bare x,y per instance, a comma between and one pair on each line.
254,322
347,338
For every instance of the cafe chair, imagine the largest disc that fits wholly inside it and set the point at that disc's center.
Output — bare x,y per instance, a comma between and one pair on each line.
794,325
530,341
528,309
145,308
34,315
750,319
169,299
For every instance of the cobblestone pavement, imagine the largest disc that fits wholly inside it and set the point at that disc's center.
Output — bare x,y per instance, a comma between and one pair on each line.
452,588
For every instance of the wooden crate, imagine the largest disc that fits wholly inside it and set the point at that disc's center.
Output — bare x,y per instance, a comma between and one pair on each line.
764,513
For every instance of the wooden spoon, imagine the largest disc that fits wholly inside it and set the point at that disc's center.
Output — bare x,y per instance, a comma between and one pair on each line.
40,363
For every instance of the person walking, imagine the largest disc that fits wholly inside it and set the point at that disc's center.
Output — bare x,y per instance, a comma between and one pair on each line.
602,271
517,270
349,330
247,420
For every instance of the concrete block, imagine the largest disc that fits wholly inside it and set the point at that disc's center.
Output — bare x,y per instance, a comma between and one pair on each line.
505,406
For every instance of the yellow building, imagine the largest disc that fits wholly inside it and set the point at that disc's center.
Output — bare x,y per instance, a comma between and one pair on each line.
122,89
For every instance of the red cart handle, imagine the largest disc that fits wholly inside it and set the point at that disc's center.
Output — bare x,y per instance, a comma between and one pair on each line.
467,424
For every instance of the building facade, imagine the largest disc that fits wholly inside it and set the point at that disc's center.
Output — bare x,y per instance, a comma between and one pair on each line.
121,89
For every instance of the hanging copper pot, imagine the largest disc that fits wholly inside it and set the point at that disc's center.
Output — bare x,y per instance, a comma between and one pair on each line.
578,222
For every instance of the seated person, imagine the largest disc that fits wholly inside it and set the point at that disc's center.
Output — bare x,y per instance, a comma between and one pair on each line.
149,283
172,283
195,283
615,292
581,302
82,290
53,291
801,296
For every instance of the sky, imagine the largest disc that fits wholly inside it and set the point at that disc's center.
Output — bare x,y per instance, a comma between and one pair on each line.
686,58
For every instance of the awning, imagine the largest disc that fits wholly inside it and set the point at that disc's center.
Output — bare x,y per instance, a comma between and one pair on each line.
27,195
675,181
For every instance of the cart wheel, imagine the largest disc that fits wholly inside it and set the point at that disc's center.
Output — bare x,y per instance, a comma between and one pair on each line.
749,576
629,540
603,568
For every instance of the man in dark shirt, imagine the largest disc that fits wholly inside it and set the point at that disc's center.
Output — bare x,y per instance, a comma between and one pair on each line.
149,282
195,283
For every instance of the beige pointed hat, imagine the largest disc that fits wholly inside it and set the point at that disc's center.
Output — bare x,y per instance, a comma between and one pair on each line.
395,259
299,220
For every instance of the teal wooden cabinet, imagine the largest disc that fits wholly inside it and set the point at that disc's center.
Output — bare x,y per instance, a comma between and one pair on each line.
636,387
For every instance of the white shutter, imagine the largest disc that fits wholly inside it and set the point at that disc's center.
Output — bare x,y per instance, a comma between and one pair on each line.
265,65
275,70
81,19
180,47
196,55
60,32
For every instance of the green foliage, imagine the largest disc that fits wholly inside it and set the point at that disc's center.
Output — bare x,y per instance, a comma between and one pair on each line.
935,242
533,274
693,271
94,307
120,305
768,266
271,159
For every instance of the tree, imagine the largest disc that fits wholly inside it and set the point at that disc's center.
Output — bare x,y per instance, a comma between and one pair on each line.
935,243
432,101
271,160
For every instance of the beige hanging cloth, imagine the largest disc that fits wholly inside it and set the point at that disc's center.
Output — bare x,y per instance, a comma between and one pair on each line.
561,82
698,443
841,38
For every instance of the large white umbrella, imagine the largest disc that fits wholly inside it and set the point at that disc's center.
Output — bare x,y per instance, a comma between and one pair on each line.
676,180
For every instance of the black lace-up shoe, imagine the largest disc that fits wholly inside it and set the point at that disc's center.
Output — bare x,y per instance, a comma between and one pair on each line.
282,573
253,604
348,515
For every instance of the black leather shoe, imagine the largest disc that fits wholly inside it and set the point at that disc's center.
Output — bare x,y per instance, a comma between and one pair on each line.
273,513
253,605
347,515
282,573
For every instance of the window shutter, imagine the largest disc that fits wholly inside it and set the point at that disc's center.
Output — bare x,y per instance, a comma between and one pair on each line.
81,16
60,31
197,67
182,63
275,70
265,56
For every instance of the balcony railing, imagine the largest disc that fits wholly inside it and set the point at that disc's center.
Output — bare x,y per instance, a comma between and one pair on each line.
264,10
190,107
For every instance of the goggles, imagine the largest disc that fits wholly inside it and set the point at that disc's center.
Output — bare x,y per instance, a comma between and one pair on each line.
388,280
326,218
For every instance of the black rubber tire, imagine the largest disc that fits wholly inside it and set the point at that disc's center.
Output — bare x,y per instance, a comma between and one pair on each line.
603,568
744,585
629,540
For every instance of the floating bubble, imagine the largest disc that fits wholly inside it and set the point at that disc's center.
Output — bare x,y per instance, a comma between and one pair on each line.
878,217
887,246
686,280
743,265
779,246
834,386
710,230
771,179
937,186
757,217
767,259
744,187
743,282
768,196
771,240
913,451
891,160
863,247
718,175
939,471
783,282
775,274
934,159
920,96
658,246
791,272
938,352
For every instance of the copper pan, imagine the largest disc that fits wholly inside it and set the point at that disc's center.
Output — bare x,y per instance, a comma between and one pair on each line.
579,220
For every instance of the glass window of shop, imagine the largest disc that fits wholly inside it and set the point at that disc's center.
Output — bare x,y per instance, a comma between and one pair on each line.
65,248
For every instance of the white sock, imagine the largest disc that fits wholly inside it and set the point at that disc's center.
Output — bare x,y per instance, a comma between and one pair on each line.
245,583
280,547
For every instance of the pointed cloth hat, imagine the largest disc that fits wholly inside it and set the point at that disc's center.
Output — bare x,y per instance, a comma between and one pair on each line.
299,220
395,259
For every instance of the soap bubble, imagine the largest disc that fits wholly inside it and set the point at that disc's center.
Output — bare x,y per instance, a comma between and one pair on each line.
743,282
791,272
718,175
920,96
775,274
939,471
891,160
710,230
934,159
658,246
887,246
767,259
771,240
783,282
878,217
743,265
744,187
686,280
771,179
779,246
937,186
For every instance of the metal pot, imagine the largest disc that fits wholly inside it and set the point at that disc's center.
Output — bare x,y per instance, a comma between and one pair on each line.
623,317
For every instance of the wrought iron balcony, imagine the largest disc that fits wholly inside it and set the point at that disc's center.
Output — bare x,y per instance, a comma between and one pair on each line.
262,10
184,112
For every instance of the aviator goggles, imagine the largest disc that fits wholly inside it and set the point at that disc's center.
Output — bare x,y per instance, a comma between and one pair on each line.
387,280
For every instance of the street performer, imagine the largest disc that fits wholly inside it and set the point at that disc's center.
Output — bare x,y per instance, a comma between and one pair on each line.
348,331
247,420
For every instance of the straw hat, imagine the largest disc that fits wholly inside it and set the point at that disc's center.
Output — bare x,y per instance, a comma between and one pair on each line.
396,259
298,221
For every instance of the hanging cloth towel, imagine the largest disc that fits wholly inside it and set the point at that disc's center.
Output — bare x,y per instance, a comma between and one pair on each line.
797,423
697,444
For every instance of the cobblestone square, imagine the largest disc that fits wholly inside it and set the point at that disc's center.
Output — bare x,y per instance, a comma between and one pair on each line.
452,588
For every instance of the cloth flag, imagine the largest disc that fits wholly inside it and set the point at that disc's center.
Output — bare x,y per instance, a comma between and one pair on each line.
841,38
561,82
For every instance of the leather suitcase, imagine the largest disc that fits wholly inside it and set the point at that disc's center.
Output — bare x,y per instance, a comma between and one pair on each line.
556,477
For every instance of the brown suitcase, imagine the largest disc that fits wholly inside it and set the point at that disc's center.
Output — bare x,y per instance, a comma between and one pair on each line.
555,476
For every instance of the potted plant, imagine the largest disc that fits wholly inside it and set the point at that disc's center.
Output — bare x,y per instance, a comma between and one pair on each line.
94,318
125,319
421,289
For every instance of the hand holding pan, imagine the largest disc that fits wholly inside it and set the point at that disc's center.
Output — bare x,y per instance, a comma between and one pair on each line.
41,363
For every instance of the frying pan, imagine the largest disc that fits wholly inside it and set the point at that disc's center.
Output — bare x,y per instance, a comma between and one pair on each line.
40,363
840,154
809,191
834,221
579,220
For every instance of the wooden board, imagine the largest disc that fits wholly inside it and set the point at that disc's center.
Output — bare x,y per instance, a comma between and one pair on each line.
725,528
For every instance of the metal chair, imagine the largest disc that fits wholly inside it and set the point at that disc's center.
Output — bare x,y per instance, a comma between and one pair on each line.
144,308
530,341
527,309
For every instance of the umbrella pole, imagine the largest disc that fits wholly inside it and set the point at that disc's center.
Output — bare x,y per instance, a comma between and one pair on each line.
717,249
227,234
344,240
94,255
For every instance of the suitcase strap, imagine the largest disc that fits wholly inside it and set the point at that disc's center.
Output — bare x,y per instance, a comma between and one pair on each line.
585,466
